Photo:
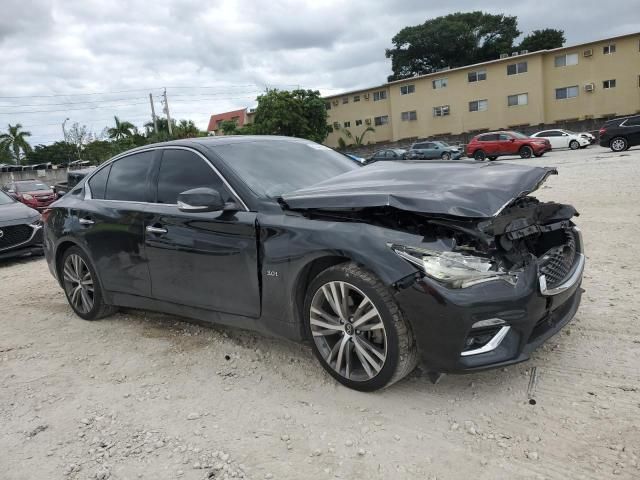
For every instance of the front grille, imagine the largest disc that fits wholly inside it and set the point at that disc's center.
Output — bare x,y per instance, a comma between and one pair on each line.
14,235
556,263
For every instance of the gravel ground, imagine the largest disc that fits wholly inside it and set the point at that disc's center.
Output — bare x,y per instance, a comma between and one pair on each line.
146,395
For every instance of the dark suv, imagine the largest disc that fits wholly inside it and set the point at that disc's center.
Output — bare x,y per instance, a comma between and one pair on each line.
620,134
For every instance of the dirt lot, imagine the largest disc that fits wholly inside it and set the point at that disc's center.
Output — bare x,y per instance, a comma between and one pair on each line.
145,395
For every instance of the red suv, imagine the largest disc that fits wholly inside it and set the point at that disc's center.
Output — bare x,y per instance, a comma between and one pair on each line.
495,144
32,193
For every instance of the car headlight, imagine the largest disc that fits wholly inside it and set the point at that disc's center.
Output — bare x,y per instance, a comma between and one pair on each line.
26,196
455,270
37,223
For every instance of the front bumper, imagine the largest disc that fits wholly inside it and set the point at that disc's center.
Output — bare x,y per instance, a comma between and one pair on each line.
33,246
442,318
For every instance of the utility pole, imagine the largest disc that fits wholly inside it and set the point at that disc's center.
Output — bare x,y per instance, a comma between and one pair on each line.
153,114
64,132
166,110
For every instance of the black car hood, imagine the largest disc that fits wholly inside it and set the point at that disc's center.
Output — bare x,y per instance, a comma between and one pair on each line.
15,211
458,188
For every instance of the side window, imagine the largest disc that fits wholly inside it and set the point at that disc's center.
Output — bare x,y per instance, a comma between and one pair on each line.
182,170
488,138
419,146
503,137
633,121
98,183
128,178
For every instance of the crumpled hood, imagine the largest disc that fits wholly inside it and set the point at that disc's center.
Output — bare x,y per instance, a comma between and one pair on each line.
16,211
458,188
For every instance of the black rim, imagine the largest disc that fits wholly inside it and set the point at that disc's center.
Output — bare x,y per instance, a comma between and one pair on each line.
78,283
526,152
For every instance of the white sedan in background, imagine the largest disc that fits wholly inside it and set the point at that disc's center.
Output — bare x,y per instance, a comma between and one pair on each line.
563,139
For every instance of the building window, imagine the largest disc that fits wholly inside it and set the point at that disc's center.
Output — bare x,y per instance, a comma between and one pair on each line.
477,76
517,68
219,123
440,83
407,89
383,120
441,111
381,95
356,98
346,124
609,49
566,60
336,125
345,100
519,99
478,105
358,123
409,116
567,92
609,83
327,105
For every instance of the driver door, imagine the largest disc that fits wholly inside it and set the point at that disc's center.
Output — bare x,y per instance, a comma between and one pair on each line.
206,260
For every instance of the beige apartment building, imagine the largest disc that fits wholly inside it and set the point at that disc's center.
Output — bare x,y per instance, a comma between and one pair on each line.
581,82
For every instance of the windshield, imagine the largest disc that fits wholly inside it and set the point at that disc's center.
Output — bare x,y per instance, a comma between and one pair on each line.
273,167
519,135
31,186
5,199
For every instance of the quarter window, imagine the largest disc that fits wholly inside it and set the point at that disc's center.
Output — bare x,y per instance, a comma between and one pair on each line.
381,95
477,76
609,49
519,99
440,83
441,111
478,106
128,178
407,89
609,84
383,120
633,121
517,68
98,182
182,170
566,60
567,92
409,116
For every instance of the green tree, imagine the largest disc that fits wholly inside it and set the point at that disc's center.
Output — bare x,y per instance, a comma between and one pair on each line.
452,41
5,154
15,140
56,153
186,129
298,113
358,140
545,39
121,130
229,127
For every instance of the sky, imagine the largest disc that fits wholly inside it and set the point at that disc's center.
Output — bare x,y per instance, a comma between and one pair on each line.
88,60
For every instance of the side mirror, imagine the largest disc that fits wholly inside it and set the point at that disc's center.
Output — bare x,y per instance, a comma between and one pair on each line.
512,139
199,200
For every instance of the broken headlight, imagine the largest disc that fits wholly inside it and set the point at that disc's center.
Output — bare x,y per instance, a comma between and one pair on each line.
455,270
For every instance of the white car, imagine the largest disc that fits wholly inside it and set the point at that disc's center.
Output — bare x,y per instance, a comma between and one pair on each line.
563,139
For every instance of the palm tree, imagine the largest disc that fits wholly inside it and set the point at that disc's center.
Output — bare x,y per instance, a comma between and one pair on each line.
186,129
358,141
16,140
121,130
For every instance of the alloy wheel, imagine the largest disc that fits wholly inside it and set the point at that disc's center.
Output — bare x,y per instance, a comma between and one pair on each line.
618,145
348,331
525,152
446,156
78,283
574,145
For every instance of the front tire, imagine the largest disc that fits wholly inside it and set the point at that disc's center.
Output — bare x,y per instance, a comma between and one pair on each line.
479,155
445,156
574,145
81,286
526,152
358,332
619,144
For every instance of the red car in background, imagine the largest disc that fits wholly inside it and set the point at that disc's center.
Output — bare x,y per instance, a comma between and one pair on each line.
495,144
32,193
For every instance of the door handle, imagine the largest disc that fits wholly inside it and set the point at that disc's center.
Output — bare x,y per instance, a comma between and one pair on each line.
86,221
156,230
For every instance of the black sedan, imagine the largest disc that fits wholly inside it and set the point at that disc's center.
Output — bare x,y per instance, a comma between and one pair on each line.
378,267
20,229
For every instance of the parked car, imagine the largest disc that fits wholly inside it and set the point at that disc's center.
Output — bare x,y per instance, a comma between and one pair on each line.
433,150
356,158
388,154
589,136
563,139
73,178
496,144
620,134
20,229
33,193
378,267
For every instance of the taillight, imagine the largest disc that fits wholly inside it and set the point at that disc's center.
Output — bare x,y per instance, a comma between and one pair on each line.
602,131
45,214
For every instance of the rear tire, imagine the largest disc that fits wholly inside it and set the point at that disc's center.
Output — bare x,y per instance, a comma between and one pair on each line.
574,145
479,155
619,144
342,346
82,287
526,151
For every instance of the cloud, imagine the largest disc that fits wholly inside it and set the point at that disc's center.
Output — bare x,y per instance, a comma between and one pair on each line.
218,55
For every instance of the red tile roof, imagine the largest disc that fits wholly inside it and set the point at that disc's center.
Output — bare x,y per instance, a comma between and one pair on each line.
213,121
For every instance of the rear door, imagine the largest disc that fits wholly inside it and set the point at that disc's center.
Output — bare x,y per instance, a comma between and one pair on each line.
632,130
207,260
489,143
111,223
